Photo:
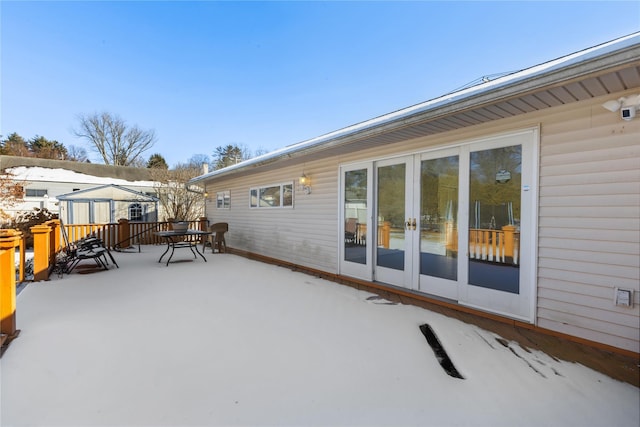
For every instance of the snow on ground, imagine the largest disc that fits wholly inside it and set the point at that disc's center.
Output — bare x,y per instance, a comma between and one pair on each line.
238,342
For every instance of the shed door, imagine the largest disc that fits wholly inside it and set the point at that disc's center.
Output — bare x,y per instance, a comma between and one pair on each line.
102,212
80,212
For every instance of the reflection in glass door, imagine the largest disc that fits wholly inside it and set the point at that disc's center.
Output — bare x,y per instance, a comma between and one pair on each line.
439,226
401,223
438,217
356,241
494,218
394,226
355,216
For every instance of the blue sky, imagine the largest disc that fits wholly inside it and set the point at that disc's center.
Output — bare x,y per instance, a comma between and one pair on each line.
267,74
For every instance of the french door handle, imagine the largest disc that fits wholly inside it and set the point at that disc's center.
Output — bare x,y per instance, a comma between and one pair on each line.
410,224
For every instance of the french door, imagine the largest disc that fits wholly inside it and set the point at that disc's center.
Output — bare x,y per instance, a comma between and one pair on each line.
457,224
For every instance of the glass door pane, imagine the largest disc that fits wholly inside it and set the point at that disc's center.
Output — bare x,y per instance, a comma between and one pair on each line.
494,218
391,214
355,216
438,217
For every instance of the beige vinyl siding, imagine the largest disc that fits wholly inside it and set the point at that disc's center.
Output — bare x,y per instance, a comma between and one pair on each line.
305,234
589,225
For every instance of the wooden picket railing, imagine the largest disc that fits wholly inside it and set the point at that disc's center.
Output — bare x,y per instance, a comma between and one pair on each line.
499,246
490,245
125,233
48,238
383,237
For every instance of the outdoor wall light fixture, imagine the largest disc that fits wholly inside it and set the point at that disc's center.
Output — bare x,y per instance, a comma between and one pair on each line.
305,183
627,106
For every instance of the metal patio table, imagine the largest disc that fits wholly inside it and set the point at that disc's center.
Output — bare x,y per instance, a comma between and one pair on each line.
176,239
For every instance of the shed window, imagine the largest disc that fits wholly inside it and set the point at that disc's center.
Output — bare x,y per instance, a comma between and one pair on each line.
135,212
273,196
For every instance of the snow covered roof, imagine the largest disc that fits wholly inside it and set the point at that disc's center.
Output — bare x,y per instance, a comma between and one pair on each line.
110,192
532,89
56,172
37,173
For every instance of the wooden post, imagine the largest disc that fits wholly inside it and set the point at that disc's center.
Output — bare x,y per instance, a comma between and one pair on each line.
22,261
41,246
9,240
54,239
123,232
203,227
384,234
509,231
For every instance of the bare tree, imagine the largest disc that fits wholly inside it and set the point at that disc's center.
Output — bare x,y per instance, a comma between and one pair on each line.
11,192
178,201
117,143
77,154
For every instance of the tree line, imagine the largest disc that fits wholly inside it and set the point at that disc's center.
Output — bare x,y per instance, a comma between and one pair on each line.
41,147
118,144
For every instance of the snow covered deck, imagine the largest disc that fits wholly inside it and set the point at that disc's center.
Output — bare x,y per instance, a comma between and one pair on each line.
239,342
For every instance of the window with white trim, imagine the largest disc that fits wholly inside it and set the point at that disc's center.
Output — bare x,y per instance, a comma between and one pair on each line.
223,199
135,212
272,196
33,192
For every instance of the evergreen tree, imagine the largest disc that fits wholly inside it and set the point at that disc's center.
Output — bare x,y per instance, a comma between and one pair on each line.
157,161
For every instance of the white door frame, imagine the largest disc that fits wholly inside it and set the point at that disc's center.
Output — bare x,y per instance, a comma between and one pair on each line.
521,306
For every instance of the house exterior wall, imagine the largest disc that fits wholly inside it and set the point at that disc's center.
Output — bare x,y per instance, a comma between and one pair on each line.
305,234
588,224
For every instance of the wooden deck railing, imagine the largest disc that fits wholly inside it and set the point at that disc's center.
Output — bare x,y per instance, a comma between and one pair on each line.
490,245
383,237
10,241
499,246
48,239
125,233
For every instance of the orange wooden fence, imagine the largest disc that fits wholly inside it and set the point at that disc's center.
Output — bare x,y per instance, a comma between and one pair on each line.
10,241
48,239
500,246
